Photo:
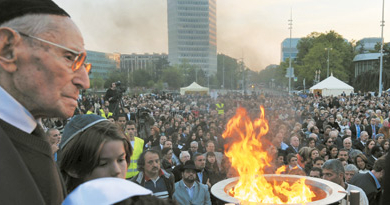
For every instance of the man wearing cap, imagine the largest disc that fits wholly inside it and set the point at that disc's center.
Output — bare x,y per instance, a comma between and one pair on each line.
42,69
189,190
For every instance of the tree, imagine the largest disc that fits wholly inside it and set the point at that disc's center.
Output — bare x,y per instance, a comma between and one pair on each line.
174,76
312,56
141,78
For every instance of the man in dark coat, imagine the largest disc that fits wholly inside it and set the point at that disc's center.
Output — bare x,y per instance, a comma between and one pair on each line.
42,69
371,182
372,129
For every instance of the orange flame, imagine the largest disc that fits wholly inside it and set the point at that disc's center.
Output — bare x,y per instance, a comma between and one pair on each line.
249,158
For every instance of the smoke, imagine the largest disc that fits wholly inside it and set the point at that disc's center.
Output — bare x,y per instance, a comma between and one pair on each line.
252,30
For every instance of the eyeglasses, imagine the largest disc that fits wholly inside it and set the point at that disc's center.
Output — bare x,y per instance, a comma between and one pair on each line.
330,141
78,60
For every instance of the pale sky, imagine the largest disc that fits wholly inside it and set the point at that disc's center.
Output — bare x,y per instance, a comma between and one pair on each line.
248,29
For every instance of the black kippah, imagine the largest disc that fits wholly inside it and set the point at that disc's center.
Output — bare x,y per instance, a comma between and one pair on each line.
10,9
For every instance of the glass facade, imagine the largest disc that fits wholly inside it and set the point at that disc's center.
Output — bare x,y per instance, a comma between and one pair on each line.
102,63
134,61
286,50
192,33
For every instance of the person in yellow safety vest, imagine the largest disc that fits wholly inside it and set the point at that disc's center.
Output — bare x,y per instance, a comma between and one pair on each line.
105,112
220,109
138,147
91,108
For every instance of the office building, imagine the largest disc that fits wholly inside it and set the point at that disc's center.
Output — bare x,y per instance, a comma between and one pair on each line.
192,33
287,50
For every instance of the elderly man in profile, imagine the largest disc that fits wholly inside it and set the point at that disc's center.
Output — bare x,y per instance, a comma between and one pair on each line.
42,69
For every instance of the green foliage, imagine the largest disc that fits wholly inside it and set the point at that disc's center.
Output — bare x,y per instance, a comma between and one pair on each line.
141,78
115,77
97,83
228,70
174,76
312,56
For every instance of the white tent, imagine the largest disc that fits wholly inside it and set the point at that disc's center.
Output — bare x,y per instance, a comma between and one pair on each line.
194,88
331,86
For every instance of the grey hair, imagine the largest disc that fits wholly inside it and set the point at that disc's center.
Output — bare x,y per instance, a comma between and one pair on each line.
32,24
194,142
182,153
333,132
351,168
334,165
354,153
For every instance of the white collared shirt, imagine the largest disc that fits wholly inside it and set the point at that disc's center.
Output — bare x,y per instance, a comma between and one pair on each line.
12,112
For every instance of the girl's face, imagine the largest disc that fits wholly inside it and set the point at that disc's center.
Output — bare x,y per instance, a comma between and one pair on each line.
323,152
314,154
386,145
112,161
334,152
371,145
211,159
293,162
312,144
380,139
360,163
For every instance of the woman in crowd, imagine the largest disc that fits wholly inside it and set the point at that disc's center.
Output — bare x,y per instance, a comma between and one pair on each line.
92,147
154,138
166,161
343,126
385,130
385,146
333,152
323,151
379,138
211,163
361,163
369,145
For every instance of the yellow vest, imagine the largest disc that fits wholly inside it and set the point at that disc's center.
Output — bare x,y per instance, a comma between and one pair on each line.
89,112
137,151
220,108
103,114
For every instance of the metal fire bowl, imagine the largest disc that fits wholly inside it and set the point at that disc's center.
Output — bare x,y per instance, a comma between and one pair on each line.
326,192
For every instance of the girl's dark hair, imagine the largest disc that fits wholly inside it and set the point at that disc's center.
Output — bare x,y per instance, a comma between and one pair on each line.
81,155
214,167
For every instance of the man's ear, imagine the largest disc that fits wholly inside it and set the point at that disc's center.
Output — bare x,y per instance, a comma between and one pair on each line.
8,40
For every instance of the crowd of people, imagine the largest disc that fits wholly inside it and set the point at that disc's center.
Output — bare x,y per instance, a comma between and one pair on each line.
306,131
55,148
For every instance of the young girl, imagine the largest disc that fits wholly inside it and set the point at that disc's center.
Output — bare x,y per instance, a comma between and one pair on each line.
92,147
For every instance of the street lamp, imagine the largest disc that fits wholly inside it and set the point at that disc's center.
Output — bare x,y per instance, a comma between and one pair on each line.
381,59
327,72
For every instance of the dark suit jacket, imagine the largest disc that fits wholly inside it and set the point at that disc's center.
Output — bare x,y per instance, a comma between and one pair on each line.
367,183
370,162
369,130
353,129
207,175
290,149
28,173
359,145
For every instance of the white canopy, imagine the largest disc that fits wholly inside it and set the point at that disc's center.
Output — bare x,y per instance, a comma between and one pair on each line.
331,86
194,88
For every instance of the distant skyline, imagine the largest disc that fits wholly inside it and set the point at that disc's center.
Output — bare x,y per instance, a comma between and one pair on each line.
252,30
